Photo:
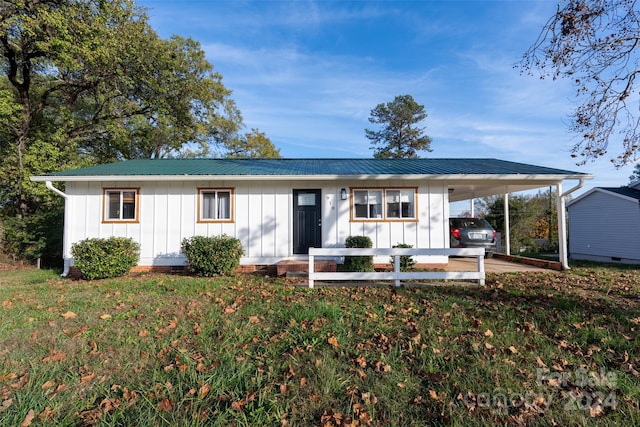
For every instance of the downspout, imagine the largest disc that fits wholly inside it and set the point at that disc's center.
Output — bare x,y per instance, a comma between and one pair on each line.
65,256
562,221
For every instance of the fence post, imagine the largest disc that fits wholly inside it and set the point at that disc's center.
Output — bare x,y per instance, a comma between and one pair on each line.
311,265
481,269
396,269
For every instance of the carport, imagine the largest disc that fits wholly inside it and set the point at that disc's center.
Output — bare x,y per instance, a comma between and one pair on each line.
475,185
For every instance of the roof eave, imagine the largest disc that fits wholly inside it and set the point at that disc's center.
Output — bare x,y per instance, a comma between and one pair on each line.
456,177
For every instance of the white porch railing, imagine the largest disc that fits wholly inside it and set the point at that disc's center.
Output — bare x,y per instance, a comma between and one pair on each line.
396,274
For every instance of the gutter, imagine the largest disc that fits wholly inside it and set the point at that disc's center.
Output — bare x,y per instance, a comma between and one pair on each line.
562,222
578,186
67,261
50,186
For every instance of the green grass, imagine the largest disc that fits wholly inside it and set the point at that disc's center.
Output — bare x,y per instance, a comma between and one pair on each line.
147,350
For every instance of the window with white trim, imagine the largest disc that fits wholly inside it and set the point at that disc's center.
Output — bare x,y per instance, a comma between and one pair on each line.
216,204
121,204
381,204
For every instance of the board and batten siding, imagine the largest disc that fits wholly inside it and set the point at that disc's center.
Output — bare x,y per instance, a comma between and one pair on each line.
604,227
263,212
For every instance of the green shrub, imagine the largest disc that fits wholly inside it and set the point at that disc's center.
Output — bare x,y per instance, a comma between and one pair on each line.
406,261
358,263
210,256
102,258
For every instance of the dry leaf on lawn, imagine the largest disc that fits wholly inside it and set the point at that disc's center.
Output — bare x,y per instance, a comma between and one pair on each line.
28,419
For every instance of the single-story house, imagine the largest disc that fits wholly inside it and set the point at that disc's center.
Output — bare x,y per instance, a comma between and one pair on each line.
278,208
604,225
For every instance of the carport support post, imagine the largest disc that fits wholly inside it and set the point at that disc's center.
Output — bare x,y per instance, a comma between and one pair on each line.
562,228
507,242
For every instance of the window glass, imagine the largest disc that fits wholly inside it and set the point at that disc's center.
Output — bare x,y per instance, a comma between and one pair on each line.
396,204
306,199
128,205
120,205
114,205
407,203
393,203
367,204
215,204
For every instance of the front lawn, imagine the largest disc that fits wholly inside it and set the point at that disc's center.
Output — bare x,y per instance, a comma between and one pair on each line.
528,349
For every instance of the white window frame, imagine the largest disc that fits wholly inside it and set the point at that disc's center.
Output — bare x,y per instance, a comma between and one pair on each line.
408,214
120,211
228,217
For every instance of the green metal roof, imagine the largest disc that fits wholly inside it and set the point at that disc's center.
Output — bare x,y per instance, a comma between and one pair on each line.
309,167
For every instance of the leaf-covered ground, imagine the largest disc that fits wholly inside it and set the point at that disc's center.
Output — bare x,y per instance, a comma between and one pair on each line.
528,349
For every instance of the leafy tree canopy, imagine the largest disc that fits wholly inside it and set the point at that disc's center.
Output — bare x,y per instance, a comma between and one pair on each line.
595,43
252,144
89,81
400,137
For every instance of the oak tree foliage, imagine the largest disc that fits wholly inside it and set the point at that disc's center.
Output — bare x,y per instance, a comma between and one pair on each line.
399,136
254,144
85,82
595,44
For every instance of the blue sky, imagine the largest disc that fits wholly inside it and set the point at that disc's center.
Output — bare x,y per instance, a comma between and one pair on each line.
308,74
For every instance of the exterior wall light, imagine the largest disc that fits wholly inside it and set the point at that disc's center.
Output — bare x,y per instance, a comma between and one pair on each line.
343,194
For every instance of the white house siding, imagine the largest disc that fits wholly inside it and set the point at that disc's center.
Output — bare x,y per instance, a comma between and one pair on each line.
604,227
263,217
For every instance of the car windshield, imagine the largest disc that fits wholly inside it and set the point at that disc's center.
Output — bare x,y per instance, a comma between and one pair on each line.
469,223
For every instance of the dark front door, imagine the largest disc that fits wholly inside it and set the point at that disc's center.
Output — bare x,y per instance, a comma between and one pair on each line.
307,220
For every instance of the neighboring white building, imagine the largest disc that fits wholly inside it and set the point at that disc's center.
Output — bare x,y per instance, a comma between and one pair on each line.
278,208
604,225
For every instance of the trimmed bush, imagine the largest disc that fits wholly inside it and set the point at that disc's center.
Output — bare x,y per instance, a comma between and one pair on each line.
406,261
358,263
211,256
103,258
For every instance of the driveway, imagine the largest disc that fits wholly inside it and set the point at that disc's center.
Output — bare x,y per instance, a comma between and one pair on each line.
491,265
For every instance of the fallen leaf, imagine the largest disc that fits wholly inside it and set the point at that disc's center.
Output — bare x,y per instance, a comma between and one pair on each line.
88,377
204,390
254,319
540,363
488,346
6,404
105,316
28,419
46,414
143,333
238,405
54,356
333,341
69,315
165,405
488,333
594,411
47,385
513,350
